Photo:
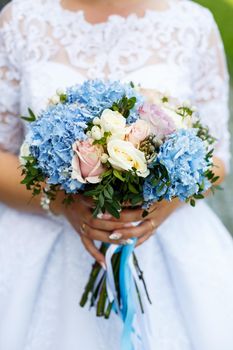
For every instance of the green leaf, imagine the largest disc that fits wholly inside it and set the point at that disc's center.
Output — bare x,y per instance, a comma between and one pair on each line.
132,188
192,202
131,102
155,182
31,117
118,175
101,200
106,173
107,194
63,98
161,187
96,211
136,199
145,213
111,210
199,196
216,178
110,190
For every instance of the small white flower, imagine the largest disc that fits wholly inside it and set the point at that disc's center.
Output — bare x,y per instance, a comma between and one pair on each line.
88,134
24,152
187,104
55,99
96,121
104,158
60,92
96,133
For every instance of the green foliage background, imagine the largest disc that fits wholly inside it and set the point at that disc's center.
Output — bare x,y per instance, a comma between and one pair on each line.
223,12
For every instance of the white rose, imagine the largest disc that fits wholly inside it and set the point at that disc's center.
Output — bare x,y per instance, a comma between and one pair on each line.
24,152
124,156
113,122
96,133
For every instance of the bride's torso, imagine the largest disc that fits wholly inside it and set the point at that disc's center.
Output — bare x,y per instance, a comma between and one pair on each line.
58,48
175,50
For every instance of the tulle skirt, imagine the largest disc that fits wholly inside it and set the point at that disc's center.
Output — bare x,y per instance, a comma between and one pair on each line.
188,267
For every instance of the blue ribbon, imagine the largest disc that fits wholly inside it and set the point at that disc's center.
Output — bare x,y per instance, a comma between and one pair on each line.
127,290
128,308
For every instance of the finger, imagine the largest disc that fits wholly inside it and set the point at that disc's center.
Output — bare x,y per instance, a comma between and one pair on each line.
131,215
143,239
93,251
98,235
144,228
107,225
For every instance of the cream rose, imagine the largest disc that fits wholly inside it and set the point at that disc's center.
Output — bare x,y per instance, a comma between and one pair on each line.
114,122
124,156
139,131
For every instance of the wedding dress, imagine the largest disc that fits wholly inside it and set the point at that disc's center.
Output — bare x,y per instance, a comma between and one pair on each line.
188,263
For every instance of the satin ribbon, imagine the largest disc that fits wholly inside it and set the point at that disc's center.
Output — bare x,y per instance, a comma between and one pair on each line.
129,309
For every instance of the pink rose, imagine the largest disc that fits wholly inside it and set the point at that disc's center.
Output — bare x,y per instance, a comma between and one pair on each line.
139,131
161,123
86,163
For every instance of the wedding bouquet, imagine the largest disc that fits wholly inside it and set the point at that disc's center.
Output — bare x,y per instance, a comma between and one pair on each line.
113,143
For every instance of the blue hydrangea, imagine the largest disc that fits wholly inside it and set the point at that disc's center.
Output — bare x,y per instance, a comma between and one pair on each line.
51,137
97,95
183,155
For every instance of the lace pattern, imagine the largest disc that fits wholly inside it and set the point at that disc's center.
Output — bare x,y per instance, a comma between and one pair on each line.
11,130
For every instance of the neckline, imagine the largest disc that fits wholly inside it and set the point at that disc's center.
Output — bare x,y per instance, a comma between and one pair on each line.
133,15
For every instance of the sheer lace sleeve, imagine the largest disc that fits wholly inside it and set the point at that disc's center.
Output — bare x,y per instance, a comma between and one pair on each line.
11,129
211,84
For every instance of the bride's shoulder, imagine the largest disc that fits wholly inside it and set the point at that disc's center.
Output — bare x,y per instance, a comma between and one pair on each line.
195,14
17,9
193,9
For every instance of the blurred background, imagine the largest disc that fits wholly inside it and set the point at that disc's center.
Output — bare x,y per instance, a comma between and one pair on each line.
222,202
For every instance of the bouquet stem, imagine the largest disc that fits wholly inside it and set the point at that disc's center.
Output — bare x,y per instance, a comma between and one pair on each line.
97,286
96,268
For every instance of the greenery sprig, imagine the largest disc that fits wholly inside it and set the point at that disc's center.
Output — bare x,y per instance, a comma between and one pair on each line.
124,105
31,118
204,133
33,176
107,198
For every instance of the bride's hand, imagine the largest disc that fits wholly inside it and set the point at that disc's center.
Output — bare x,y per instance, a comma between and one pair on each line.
157,215
90,229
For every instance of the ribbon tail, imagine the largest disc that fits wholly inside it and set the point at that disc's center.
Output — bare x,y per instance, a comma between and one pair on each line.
127,288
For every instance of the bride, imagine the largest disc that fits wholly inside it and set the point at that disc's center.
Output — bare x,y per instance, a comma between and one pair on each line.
186,253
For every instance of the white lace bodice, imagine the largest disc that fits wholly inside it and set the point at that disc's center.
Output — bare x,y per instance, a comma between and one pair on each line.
43,47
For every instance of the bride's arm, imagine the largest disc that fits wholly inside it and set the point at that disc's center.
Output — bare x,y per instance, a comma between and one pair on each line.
11,126
12,193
